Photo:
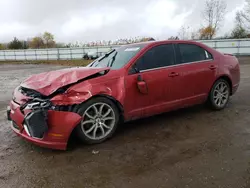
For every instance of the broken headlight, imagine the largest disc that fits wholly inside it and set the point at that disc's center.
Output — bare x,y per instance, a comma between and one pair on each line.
36,103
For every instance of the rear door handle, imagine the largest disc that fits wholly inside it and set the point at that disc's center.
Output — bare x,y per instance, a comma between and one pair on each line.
173,74
212,67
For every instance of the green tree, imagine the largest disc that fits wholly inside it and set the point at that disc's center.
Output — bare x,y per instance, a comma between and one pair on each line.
239,32
15,44
2,47
36,42
48,40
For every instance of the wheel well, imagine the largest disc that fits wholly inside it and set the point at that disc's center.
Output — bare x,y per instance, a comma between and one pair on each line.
229,82
116,102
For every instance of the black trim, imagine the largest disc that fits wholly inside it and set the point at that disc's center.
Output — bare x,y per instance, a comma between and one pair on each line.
177,54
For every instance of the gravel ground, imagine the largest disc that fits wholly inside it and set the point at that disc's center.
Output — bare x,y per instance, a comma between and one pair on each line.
193,147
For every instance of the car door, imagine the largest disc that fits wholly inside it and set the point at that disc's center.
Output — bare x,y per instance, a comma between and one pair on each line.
154,69
197,72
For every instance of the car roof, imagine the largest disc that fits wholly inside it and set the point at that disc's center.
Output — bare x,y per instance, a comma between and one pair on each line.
146,43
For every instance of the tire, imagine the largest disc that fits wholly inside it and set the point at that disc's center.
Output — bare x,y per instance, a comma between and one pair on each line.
101,127
219,97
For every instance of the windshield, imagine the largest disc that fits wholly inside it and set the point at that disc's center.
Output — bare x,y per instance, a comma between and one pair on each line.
117,58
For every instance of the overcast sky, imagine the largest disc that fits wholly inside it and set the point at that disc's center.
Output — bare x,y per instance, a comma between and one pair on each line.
87,20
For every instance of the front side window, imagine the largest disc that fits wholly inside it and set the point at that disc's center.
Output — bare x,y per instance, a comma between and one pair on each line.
193,53
156,57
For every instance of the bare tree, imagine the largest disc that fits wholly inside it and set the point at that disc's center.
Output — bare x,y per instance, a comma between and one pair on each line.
239,30
239,19
243,17
184,33
194,35
214,15
173,38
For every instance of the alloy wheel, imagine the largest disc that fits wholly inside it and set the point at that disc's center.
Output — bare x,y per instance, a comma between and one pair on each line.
98,121
221,94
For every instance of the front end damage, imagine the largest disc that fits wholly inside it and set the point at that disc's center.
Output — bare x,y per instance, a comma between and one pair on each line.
44,107
39,121
35,122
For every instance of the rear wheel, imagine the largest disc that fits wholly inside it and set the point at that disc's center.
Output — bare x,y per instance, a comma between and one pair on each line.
219,95
100,120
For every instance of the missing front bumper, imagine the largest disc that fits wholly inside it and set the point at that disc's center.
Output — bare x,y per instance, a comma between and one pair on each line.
59,123
35,123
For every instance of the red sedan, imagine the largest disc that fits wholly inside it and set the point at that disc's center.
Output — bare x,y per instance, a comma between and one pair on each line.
128,83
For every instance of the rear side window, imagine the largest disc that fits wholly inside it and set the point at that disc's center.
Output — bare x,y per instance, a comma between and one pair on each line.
156,57
192,53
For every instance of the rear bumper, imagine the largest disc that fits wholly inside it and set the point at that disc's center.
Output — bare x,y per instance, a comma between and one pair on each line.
60,126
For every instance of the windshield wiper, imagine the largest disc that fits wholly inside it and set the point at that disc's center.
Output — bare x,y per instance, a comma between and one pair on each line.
106,55
113,60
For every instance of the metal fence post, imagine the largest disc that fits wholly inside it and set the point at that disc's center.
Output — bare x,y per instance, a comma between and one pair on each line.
47,54
215,44
238,47
58,54
4,55
35,54
25,56
15,54
71,53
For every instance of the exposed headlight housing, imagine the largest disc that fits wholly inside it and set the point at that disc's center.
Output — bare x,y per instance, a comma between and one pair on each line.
33,105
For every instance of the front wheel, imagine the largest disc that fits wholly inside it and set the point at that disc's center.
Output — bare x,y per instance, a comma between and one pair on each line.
100,120
219,95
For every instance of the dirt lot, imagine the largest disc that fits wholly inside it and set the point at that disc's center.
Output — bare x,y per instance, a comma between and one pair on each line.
193,147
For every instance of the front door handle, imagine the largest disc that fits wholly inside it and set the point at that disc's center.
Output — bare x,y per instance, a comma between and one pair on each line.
173,74
212,67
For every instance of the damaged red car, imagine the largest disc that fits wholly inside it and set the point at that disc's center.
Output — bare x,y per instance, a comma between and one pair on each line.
130,82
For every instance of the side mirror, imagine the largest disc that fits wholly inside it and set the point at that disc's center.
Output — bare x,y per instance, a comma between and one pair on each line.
142,85
134,70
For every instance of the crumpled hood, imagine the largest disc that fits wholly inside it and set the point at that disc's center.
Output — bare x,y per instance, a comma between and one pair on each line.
48,82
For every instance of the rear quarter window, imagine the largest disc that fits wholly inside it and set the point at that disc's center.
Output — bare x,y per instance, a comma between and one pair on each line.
193,53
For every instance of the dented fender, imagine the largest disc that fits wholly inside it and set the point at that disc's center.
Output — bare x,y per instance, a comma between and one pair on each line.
83,91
